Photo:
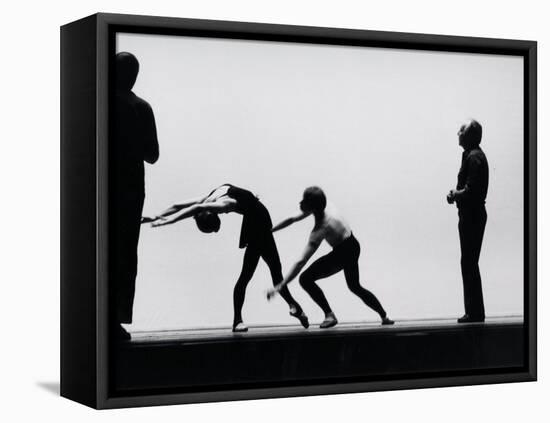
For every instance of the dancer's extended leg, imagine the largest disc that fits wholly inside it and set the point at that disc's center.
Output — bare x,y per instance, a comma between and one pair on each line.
351,271
322,268
271,257
250,262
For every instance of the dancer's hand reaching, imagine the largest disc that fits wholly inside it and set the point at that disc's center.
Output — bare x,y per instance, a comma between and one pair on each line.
272,292
161,221
148,219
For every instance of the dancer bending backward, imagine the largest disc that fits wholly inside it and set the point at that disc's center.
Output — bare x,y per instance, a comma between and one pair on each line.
256,236
344,256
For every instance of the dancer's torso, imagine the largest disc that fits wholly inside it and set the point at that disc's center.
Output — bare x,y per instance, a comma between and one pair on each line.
256,223
333,228
246,200
218,194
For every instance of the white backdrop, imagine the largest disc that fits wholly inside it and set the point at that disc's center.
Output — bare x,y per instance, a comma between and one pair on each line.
30,212
376,128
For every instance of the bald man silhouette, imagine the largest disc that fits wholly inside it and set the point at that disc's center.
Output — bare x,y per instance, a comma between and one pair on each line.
469,197
133,141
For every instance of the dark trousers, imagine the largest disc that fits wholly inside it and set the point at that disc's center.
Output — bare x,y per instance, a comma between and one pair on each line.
344,257
124,229
471,226
267,250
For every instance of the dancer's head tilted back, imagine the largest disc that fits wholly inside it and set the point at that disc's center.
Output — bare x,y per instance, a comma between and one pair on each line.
469,134
127,68
207,222
314,200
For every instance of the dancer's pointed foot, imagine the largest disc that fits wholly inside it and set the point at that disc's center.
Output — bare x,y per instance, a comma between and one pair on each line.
301,317
387,321
240,327
330,321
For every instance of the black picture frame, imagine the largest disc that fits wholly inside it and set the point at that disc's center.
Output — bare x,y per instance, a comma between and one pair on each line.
87,366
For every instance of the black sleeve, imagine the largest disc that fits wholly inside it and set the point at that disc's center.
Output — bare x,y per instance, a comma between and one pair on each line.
473,177
149,134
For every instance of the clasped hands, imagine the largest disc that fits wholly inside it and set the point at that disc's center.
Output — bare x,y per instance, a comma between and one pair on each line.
451,196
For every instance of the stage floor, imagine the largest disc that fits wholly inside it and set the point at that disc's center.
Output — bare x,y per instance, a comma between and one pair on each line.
209,359
402,327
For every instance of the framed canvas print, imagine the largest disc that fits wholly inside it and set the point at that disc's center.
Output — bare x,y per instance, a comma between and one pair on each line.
255,211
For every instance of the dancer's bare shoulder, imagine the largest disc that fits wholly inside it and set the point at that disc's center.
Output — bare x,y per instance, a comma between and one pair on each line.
218,193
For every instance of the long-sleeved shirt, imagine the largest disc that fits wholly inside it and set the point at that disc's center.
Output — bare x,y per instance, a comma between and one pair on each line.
135,140
473,178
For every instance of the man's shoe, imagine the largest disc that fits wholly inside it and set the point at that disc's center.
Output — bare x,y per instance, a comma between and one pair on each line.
330,321
301,317
121,334
471,319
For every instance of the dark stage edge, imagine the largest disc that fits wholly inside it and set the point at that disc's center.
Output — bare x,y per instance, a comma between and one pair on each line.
215,359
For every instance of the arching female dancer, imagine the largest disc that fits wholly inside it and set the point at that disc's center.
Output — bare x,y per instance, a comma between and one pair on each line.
256,236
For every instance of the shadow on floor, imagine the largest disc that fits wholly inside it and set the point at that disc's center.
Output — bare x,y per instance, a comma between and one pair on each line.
51,387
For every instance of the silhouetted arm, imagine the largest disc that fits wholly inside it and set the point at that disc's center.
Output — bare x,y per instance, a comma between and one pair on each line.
473,182
315,239
150,141
179,206
225,206
289,221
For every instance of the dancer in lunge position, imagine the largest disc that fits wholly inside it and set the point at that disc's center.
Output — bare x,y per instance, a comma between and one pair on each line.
344,256
256,236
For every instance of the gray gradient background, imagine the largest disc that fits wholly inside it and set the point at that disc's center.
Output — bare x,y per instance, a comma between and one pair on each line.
376,128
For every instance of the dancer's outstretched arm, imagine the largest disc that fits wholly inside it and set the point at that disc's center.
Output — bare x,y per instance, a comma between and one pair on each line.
314,241
225,206
289,221
176,207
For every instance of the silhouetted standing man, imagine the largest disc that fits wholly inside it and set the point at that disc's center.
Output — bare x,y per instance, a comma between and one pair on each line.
134,141
469,196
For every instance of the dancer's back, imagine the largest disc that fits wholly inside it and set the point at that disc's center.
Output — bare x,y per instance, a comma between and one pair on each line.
332,227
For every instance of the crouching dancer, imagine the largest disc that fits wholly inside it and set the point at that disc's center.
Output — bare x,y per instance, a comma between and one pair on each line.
344,256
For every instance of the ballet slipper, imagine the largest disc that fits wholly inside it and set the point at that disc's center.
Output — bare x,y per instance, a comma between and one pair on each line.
330,321
301,317
240,327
